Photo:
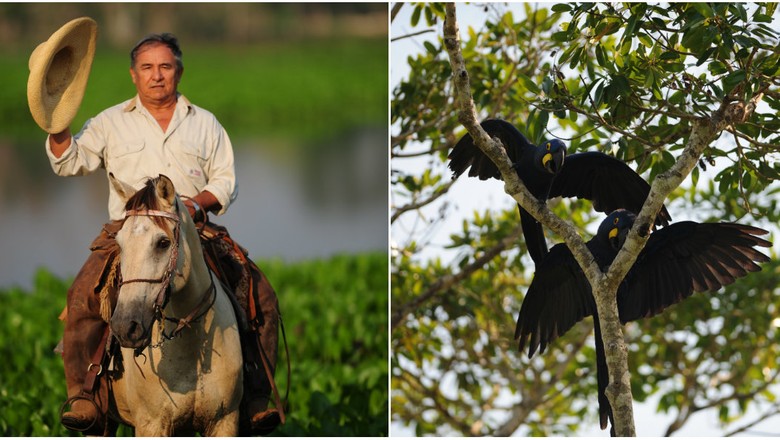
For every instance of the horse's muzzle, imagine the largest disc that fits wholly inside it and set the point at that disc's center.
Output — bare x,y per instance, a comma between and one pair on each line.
130,333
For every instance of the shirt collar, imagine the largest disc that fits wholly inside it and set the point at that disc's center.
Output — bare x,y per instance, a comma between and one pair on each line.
134,103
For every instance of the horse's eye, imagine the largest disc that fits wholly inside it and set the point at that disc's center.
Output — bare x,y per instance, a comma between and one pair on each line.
163,243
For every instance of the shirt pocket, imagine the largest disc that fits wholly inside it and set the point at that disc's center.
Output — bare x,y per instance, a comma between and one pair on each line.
126,148
124,158
194,148
194,161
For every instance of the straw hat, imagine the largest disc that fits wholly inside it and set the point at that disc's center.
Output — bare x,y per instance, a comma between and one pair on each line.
59,68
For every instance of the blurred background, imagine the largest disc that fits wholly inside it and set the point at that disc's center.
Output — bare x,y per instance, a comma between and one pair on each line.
300,88
302,92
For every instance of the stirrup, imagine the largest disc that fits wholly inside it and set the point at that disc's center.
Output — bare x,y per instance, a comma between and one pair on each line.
69,402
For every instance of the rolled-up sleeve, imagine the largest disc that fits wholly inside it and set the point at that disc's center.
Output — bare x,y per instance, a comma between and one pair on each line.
220,169
83,156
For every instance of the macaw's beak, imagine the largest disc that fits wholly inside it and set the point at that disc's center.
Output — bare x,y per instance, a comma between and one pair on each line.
614,240
548,163
552,162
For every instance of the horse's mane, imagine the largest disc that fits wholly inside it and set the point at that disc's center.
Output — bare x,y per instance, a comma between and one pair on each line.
146,198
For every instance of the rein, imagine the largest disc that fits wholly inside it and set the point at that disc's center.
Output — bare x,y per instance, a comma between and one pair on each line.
164,280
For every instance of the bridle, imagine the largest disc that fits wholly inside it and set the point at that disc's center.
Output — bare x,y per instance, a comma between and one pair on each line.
165,281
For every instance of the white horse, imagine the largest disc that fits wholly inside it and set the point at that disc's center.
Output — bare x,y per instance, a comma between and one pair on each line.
182,361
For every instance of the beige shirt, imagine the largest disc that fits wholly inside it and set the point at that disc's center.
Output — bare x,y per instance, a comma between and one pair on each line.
195,152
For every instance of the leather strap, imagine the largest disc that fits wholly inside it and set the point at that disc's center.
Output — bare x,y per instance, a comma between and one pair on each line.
280,404
95,368
198,312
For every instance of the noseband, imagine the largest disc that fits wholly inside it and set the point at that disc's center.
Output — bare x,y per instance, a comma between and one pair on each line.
165,281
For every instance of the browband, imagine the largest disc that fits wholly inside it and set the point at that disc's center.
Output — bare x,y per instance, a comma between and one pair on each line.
152,213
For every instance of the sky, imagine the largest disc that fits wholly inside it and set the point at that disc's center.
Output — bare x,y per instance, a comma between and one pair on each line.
472,194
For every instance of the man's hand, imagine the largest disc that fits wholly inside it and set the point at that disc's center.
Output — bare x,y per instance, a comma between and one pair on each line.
196,212
59,142
200,204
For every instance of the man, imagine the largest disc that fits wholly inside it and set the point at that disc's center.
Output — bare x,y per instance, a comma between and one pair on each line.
157,132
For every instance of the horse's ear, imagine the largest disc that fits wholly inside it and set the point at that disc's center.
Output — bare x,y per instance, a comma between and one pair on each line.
124,190
165,190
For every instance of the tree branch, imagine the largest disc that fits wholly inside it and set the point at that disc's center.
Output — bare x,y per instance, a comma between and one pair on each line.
413,34
775,410
440,191
447,281
395,9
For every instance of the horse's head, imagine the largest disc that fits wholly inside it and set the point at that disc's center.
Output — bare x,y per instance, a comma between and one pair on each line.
152,258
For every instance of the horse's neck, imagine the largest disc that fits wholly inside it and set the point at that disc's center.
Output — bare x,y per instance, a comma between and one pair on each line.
197,277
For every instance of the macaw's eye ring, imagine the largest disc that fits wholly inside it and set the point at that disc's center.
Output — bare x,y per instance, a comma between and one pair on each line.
548,146
616,221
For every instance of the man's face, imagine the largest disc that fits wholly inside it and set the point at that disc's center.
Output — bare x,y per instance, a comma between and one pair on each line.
155,75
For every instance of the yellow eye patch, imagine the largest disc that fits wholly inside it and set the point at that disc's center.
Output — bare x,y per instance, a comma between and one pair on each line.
616,221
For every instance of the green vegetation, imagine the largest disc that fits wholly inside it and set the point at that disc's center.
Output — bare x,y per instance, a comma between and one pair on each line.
300,91
335,314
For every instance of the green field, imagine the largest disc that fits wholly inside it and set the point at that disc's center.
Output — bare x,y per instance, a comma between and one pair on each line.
302,91
335,314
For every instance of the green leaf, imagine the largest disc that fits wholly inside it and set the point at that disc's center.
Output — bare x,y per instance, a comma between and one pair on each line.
587,143
528,83
732,80
692,38
761,18
768,171
717,68
600,57
561,7
547,84
560,36
741,12
630,27
704,9
540,123
646,40
416,15
705,56
575,59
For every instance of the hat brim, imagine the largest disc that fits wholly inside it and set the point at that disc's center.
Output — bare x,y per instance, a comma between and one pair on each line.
59,69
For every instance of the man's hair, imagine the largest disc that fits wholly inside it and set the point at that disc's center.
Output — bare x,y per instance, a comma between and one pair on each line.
166,39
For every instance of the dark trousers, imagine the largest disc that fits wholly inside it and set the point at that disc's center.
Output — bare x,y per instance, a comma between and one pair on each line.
84,323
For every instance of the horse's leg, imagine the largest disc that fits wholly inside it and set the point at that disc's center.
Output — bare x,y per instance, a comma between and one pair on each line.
152,421
154,428
225,427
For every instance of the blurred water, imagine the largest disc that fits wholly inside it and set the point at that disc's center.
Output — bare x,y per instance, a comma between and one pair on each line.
293,203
